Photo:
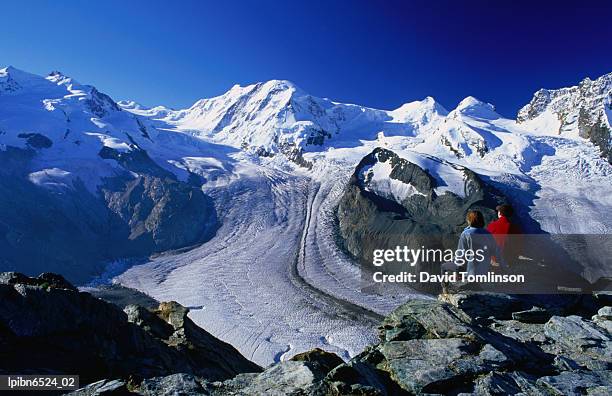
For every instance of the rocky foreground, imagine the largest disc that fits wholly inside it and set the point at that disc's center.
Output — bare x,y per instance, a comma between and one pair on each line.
464,343
48,326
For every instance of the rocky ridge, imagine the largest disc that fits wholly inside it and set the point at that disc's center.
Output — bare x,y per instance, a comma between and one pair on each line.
467,343
48,326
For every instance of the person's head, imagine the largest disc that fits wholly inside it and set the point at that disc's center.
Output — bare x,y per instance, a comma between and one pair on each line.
504,210
475,219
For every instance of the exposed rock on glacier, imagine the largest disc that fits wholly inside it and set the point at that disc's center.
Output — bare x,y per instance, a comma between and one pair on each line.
391,202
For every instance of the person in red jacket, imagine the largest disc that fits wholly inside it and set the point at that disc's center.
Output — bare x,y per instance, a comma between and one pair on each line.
502,228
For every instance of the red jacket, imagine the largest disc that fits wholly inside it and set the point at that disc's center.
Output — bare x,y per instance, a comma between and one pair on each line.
501,228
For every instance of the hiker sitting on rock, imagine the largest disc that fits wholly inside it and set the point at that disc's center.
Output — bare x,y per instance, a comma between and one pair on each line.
502,229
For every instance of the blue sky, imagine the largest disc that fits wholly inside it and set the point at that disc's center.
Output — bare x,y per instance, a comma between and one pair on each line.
376,53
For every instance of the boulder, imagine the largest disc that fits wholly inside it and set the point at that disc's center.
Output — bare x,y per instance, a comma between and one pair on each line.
438,365
103,388
484,304
533,315
425,319
575,382
604,313
175,384
321,360
576,333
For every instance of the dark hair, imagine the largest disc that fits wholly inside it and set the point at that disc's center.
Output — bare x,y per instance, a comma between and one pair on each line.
505,209
475,218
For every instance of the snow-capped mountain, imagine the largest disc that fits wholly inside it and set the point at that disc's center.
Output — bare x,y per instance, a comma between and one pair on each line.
583,111
277,116
85,182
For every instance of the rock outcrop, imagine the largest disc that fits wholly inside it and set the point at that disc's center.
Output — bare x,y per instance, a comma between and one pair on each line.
470,344
48,326
375,218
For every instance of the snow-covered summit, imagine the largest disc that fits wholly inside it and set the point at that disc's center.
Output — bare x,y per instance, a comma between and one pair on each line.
13,81
473,107
276,116
594,96
419,112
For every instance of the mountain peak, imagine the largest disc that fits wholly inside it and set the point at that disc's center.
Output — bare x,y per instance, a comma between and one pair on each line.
6,70
475,107
12,80
284,84
470,101
419,110
15,73
60,78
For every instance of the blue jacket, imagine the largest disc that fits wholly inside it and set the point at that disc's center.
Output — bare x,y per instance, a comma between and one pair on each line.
476,239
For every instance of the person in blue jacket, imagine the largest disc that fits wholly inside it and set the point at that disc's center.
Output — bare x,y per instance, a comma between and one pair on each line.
476,251
481,243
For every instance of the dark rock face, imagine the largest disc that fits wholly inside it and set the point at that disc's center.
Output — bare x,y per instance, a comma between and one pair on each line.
43,231
598,132
75,231
36,140
369,221
100,104
47,326
161,214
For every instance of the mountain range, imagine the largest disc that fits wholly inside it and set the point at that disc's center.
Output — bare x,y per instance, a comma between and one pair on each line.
267,180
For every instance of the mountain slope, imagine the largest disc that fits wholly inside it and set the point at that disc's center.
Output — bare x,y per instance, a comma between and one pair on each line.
85,183
584,110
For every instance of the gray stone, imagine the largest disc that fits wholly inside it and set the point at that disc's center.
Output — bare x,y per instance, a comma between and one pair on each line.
575,333
605,313
176,384
563,363
533,315
433,365
495,384
425,319
575,382
600,391
319,359
521,332
284,378
484,304
103,387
